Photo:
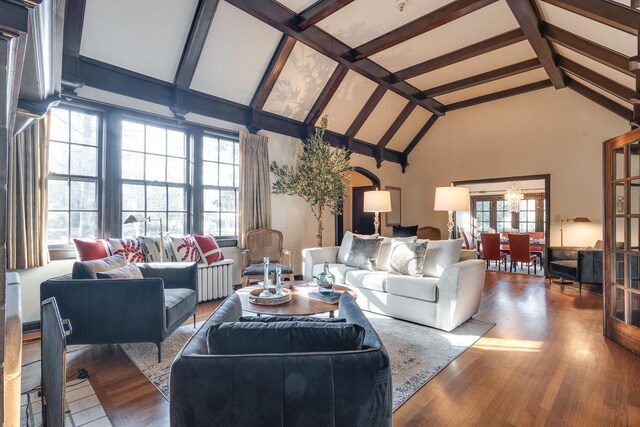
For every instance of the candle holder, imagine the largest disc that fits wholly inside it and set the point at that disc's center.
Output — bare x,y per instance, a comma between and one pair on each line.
265,284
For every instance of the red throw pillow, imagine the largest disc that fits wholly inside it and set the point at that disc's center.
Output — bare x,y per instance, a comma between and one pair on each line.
208,248
88,250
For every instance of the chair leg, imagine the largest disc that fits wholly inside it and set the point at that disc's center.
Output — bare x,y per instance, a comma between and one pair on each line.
535,263
245,281
194,320
159,345
510,267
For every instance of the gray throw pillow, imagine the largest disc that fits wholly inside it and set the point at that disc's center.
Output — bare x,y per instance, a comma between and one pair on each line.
408,258
364,253
130,271
88,269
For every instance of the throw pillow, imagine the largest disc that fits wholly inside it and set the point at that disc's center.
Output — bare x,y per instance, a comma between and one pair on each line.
364,253
88,269
271,319
345,246
440,255
283,337
130,248
208,249
130,271
87,250
401,231
408,258
150,246
184,248
385,251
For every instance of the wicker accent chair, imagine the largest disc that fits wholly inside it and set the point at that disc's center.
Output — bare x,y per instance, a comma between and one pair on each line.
428,232
260,243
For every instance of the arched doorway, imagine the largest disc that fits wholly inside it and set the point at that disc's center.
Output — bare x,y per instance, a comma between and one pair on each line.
361,180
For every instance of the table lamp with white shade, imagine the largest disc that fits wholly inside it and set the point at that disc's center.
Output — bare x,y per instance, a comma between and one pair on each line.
451,199
377,201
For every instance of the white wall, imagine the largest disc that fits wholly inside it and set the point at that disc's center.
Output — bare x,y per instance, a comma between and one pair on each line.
544,132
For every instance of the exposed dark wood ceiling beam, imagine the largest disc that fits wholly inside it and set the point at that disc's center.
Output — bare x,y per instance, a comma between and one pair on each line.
327,93
600,99
476,49
606,12
435,19
611,86
420,135
393,129
500,95
282,19
205,12
526,16
114,79
272,72
320,10
489,76
587,48
364,114
73,22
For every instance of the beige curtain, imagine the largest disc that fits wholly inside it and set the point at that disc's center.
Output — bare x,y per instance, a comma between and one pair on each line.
255,184
27,197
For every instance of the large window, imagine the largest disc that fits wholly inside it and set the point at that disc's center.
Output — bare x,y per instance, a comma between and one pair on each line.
220,177
74,184
495,213
154,177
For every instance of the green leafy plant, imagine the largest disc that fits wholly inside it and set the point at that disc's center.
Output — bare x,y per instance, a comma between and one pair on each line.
321,176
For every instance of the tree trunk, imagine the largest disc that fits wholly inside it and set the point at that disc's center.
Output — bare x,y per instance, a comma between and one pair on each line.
319,235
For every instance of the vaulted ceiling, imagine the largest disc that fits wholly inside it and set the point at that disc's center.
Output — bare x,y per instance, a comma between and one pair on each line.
383,77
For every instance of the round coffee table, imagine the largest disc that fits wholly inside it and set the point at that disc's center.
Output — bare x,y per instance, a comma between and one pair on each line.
300,304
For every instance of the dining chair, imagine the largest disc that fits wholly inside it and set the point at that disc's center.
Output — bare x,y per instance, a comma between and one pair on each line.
469,241
260,243
537,248
520,251
491,249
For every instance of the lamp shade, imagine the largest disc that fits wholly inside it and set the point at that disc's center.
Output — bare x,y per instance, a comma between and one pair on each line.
581,219
377,201
135,219
451,199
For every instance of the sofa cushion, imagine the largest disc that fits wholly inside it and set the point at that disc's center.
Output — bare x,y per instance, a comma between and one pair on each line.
422,288
184,249
177,303
129,248
345,246
283,337
257,269
373,280
88,269
208,248
150,246
440,255
364,253
568,268
384,257
88,250
338,270
408,258
270,319
130,271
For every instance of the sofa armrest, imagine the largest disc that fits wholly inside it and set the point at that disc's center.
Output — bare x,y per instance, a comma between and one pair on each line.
557,253
459,292
313,256
466,254
590,266
173,274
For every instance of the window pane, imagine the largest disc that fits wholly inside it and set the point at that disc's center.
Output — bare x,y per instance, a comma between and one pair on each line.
58,196
210,149
211,200
132,165
84,160
58,158
57,225
132,197
132,136
227,201
236,149
132,230
156,140
84,196
84,224
177,199
155,168
226,175
59,129
156,198
236,176
210,173
226,151
175,143
153,226
84,128
177,223
176,170
212,223
228,224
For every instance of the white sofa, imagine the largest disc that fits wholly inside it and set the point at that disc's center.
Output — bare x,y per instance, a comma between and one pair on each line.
444,299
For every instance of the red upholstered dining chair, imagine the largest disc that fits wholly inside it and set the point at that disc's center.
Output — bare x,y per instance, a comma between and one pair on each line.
491,249
520,250
537,248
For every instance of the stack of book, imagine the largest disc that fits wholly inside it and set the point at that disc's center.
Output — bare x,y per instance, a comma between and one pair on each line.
331,298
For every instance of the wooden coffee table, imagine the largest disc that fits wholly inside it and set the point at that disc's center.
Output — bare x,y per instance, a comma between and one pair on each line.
299,305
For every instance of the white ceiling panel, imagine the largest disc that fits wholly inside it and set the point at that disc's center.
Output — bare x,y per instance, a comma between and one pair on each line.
297,5
118,100
596,66
494,86
303,77
348,100
235,55
364,20
409,129
145,36
589,29
602,92
457,34
383,116
498,58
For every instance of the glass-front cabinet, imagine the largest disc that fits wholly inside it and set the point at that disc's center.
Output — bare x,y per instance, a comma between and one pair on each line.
622,240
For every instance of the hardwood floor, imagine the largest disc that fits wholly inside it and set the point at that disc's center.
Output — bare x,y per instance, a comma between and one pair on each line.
544,363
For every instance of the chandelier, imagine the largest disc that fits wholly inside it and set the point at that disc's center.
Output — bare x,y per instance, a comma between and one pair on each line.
513,197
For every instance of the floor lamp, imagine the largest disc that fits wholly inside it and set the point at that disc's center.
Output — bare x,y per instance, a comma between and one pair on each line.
138,219
451,199
377,201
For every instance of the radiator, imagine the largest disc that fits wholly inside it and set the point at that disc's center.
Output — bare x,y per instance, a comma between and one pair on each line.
215,280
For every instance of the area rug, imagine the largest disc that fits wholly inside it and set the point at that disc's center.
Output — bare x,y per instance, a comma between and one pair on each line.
417,352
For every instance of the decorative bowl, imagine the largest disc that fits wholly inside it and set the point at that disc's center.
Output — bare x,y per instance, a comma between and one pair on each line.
255,298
